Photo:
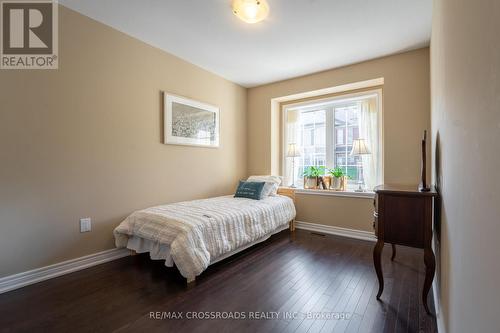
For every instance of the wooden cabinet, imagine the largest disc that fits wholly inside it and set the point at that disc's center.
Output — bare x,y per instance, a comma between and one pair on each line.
403,216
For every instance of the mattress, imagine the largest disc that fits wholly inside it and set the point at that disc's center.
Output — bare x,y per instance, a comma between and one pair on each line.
195,234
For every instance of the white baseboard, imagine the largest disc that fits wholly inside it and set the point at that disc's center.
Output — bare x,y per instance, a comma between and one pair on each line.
19,280
437,307
331,230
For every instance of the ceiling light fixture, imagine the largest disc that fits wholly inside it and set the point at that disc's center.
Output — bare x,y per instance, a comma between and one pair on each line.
251,11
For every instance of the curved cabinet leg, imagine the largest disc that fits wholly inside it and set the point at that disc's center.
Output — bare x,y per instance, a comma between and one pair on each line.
430,269
377,254
393,252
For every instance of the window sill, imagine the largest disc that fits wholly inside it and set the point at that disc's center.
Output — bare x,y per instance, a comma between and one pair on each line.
348,194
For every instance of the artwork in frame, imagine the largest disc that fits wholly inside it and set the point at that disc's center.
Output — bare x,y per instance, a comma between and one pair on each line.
189,122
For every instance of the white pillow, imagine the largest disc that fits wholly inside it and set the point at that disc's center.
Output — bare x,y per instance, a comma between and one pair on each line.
271,184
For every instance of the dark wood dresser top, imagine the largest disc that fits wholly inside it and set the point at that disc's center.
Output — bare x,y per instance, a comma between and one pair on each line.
404,189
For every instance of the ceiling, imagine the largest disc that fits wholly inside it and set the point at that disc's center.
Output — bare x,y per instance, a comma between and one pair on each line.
299,37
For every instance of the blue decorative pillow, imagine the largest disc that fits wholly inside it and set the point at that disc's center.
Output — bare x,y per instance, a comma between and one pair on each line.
250,190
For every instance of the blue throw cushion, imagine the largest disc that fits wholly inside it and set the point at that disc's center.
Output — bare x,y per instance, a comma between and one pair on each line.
250,190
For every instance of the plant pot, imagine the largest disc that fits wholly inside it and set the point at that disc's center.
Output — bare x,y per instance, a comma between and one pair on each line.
336,184
310,183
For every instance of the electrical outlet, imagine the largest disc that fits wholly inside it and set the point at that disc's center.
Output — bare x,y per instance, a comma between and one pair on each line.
85,224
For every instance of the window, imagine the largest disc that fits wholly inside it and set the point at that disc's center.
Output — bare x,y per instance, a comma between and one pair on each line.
325,130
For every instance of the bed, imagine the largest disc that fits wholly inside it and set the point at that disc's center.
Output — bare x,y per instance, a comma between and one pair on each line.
195,234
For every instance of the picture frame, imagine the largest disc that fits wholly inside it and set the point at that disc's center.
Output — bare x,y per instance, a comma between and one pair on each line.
189,122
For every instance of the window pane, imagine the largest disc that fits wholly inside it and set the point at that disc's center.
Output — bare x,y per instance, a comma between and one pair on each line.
312,138
340,136
347,122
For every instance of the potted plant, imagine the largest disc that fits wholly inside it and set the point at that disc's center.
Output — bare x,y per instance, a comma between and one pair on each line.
339,179
312,175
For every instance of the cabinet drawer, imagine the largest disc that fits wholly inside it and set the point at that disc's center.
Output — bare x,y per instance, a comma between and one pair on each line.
404,220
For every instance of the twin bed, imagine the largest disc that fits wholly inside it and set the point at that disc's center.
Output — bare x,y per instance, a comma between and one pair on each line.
195,234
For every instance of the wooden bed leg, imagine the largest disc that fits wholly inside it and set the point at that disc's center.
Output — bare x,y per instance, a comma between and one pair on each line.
191,283
132,252
292,230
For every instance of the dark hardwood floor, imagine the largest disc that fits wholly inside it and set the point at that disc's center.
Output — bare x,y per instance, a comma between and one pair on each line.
329,278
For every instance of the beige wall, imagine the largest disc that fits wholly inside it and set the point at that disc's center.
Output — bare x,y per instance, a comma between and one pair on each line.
406,100
344,212
465,57
85,140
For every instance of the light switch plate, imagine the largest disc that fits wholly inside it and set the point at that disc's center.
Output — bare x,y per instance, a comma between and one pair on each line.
85,224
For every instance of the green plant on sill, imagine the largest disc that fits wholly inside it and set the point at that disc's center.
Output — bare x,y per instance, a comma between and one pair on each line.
314,171
338,173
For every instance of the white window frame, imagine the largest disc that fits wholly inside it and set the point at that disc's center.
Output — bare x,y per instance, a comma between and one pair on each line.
330,132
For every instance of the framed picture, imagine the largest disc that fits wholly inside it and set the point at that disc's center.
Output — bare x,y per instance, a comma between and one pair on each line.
189,122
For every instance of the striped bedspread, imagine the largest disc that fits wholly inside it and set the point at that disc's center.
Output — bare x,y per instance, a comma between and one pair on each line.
201,230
